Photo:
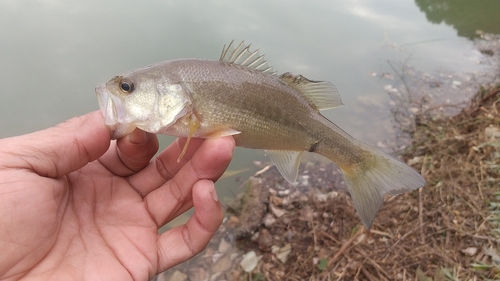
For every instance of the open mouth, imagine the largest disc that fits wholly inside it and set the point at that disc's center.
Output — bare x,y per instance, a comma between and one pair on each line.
106,105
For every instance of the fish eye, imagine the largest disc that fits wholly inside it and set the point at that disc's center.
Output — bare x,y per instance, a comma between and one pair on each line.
126,86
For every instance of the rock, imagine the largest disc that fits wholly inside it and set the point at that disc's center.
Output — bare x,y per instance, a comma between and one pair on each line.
178,276
223,264
224,246
278,201
471,251
249,261
321,197
234,220
199,274
269,220
265,240
283,193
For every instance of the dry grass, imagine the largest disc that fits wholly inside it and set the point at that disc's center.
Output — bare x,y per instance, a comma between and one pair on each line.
448,230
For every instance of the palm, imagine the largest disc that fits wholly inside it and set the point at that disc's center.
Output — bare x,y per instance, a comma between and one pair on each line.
100,221
113,226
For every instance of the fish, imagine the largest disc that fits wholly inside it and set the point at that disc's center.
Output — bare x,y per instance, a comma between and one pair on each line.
241,96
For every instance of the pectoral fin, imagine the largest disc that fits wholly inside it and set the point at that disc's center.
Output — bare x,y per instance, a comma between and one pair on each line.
287,162
194,124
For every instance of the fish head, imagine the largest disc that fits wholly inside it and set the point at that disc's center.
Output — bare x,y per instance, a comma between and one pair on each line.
143,100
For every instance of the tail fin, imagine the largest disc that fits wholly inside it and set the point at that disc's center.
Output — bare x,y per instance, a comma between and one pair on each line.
378,174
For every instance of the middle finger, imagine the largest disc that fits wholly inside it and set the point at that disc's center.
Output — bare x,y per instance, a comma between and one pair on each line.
163,167
130,154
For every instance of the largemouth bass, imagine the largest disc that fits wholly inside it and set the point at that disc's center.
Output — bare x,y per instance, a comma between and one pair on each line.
239,95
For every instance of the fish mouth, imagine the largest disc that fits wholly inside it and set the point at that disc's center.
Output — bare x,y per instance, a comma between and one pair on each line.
114,112
106,105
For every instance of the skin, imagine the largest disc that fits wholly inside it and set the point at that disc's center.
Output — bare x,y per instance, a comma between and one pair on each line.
75,205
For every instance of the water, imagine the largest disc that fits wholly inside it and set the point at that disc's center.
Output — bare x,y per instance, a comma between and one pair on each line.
53,53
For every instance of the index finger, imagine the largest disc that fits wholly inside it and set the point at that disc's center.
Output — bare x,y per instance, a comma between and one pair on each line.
59,150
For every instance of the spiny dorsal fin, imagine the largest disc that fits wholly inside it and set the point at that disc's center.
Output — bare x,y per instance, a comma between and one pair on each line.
322,94
241,55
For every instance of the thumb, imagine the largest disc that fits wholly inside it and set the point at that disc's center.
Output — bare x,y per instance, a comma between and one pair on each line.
59,150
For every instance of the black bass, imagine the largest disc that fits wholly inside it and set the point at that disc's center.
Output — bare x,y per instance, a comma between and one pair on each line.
240,96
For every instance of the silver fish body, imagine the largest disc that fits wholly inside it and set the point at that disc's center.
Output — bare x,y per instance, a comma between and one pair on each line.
239,95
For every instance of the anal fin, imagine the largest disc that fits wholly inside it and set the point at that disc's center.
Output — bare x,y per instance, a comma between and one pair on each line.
287,162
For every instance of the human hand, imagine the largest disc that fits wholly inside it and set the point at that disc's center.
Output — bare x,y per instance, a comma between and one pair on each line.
74,207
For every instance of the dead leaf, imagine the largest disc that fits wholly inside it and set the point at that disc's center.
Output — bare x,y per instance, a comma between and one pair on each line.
283,252
276,211
306,213
493,254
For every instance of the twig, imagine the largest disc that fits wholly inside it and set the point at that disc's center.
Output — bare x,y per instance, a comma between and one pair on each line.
369,275
441,255
345,246
420,216
358,271
260,172
329,236
375,264
450,226
479,184
406,235
421,204
373,231
486,238
478,181
483,99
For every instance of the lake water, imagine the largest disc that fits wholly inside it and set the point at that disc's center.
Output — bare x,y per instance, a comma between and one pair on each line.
54,52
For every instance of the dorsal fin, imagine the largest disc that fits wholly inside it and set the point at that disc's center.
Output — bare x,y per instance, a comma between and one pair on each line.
241,55
321,94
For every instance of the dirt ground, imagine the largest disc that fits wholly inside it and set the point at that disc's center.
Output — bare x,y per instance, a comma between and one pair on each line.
447,230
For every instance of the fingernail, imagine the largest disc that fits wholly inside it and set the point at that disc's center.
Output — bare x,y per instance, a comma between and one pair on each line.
213,192
138,137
